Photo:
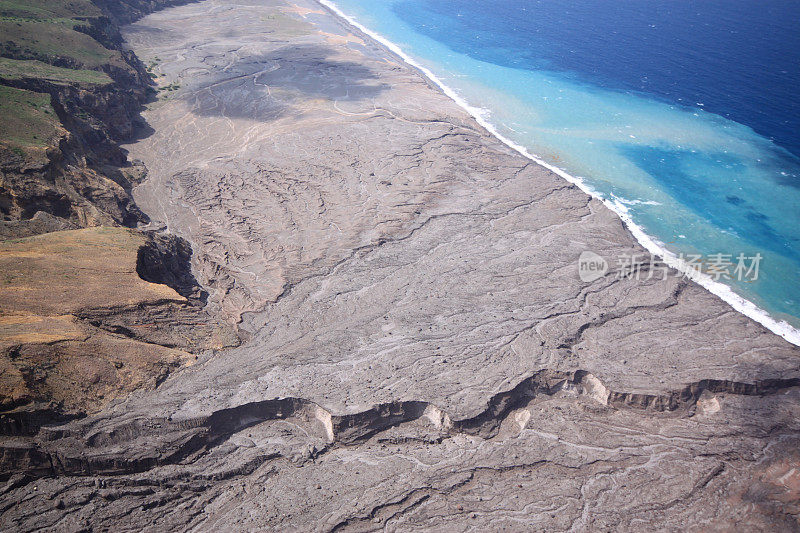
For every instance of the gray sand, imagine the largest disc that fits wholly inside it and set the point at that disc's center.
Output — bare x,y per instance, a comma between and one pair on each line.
381,249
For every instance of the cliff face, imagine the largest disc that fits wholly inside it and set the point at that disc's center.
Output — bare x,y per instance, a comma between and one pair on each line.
127,11
70,94
96,90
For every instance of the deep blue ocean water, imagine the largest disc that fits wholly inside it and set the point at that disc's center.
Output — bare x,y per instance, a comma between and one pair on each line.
684,113
740,58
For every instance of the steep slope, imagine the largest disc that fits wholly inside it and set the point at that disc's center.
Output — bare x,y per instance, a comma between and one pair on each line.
77,328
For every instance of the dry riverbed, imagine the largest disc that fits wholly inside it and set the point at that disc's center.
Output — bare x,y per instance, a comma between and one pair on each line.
420,352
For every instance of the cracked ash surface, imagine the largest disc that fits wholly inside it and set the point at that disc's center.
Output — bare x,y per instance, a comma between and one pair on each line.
420,352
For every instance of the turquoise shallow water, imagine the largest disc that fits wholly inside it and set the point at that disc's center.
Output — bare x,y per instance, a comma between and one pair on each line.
641,136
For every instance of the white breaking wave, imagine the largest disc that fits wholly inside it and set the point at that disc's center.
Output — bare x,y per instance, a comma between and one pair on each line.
634,202
724,292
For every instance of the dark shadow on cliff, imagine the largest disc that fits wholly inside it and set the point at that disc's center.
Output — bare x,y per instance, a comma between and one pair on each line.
266,87
167,259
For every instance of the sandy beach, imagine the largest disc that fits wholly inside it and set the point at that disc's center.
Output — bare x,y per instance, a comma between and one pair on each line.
420,352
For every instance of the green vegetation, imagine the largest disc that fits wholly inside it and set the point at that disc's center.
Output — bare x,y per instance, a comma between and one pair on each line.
45,40
151,68
15,69
28,119
51,41
49,31
47,9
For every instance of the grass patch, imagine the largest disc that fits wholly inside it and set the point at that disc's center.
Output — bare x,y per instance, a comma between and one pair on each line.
28,119
50,41
48,9
35,35
15,69
171,87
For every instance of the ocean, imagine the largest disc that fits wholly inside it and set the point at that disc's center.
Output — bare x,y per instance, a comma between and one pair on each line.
683,116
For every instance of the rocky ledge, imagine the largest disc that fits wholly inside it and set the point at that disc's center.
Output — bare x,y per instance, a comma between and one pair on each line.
79,325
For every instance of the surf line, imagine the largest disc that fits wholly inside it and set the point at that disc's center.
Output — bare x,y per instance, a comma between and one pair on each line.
653,246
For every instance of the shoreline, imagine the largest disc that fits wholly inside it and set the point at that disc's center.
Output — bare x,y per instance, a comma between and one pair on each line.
651,244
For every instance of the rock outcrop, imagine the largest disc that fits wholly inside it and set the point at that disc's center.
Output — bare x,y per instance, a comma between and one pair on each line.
96,89
89,315
80,325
